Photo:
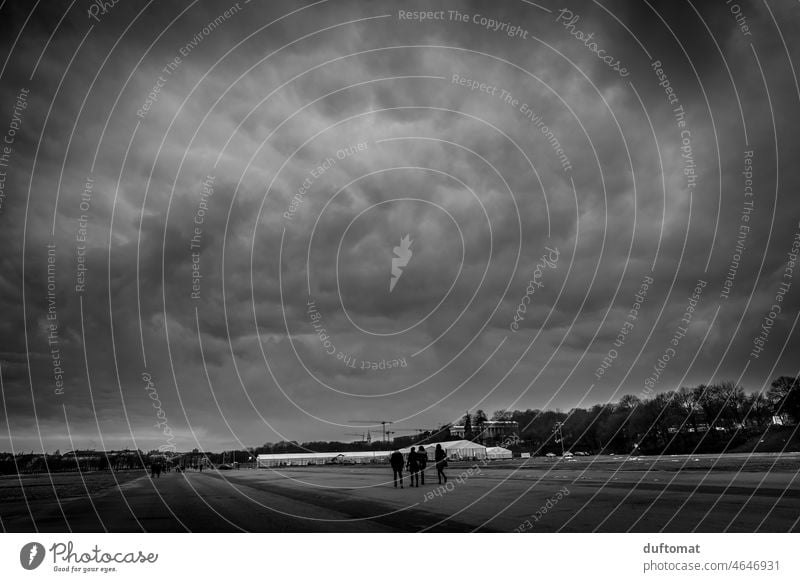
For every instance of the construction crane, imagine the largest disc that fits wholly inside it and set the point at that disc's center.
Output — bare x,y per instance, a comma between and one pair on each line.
389,433
383,424
419,431
364,436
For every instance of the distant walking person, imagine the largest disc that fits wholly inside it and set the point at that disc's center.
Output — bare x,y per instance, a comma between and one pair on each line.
396,460
422,461
413,467
441,463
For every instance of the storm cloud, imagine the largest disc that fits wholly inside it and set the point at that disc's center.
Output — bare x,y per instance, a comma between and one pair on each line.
211,196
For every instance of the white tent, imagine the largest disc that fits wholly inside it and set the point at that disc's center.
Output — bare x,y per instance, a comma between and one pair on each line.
456,450
498,453
302,459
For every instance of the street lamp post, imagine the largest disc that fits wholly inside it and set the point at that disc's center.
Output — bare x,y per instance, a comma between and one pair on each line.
559,436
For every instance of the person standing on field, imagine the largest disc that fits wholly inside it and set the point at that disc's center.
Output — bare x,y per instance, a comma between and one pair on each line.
413,467
422,461
396,461
441,462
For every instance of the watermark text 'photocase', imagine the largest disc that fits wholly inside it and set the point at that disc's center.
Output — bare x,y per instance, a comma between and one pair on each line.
549,260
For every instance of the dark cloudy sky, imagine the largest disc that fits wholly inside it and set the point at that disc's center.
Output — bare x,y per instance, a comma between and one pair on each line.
254,104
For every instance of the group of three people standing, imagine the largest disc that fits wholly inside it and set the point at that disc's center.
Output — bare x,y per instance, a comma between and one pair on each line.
416,463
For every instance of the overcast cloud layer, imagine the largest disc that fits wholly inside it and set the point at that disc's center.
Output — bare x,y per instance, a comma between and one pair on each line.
242,129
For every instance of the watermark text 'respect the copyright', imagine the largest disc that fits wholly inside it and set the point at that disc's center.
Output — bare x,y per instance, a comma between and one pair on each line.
490,24
346,359
196,240
681,330
7,147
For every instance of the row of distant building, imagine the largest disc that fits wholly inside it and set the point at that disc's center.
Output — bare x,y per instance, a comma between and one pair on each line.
506,431
459,450
489,430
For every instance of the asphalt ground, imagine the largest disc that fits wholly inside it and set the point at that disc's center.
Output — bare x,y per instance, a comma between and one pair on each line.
708,493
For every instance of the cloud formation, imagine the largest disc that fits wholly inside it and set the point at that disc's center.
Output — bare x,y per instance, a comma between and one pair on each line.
229,183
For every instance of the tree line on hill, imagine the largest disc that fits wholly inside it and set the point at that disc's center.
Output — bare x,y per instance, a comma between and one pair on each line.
706,418
89,460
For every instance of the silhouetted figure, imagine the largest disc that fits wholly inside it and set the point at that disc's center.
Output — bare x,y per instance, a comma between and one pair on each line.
413,467
396,460
153,470
422,461
441,462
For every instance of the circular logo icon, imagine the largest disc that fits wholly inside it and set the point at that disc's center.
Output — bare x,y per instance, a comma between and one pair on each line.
31,555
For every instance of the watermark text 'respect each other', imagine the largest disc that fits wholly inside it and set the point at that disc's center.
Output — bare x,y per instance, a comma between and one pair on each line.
537,516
